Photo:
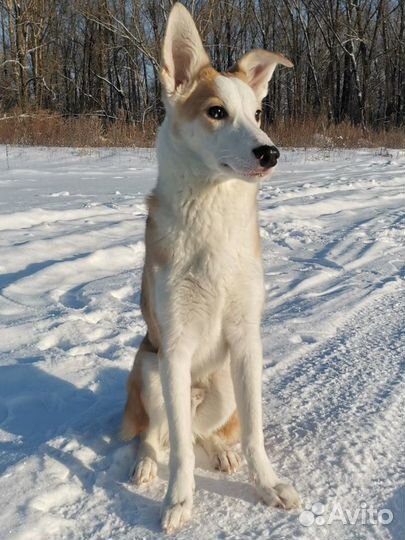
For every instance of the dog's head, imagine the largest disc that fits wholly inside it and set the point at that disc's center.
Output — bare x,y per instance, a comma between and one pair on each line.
216,116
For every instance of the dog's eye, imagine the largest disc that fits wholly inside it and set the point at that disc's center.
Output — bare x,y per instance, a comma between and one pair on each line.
217,113
258,114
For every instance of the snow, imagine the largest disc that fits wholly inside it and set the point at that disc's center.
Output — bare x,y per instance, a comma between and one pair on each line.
71,251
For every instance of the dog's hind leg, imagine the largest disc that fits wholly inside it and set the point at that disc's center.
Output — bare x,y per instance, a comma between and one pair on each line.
144,469
220,446
156,435
144,413
135,419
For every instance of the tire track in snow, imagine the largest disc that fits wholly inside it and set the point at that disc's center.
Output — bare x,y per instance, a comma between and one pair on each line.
54,281
14,259
342,432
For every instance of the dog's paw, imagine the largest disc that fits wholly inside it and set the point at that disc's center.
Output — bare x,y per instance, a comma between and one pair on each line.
289,497
177,515
144,471
227,461
282,496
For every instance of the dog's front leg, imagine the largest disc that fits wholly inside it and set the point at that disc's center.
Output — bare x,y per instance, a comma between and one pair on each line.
175,368
246,365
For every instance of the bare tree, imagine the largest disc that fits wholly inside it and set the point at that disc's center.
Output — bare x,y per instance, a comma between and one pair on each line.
101,57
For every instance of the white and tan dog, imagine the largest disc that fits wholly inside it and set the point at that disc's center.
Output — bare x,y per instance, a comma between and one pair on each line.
197,374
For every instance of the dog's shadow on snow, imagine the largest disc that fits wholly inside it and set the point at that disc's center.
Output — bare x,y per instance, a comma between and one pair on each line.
214,482
36,406
51,418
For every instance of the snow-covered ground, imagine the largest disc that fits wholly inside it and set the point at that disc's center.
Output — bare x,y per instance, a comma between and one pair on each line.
71,250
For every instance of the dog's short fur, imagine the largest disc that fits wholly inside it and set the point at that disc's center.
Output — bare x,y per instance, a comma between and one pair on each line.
197,374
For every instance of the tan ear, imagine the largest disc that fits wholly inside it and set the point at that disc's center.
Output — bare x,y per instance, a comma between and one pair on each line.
183,54
258,66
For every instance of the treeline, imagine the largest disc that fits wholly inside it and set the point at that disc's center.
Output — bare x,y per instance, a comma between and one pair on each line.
101,57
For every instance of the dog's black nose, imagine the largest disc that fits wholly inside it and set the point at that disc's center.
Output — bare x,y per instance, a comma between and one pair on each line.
267,155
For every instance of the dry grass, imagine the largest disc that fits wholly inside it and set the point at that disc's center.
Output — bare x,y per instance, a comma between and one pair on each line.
86,131
319,133
46,129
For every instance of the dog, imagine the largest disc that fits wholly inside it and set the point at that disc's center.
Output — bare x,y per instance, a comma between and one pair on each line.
196,377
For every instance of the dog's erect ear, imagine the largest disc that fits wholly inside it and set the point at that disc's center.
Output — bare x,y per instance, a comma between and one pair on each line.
183,54
258,67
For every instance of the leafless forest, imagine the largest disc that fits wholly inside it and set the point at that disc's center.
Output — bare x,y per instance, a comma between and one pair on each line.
99,59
